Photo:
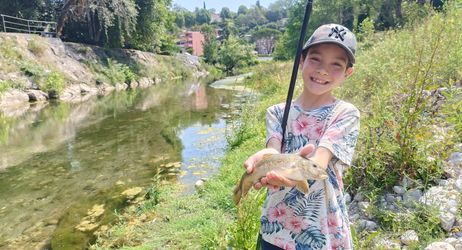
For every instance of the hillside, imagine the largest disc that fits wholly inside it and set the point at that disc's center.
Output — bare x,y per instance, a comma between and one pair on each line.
34,68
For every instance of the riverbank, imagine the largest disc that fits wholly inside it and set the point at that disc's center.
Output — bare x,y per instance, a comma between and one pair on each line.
408,89
35,69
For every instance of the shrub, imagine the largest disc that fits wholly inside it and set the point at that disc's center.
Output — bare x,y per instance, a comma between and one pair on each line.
35,47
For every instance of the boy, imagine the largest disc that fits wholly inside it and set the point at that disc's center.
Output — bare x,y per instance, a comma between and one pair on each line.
323,128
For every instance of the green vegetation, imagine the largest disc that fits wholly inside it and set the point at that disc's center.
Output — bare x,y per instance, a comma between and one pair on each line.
399,138
112,72
35,47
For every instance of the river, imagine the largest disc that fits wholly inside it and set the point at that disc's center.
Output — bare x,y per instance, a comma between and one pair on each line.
58,162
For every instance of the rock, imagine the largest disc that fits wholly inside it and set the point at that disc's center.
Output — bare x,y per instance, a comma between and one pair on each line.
131,193
458,184
199,185
443,183
354,217
358,197
367,225
455,158
390,198
409,237
96,212
13,97
347,198
89,222
363,207
120,183
121,86
386,244
86,226
440,246
37,95
104,88
399,189
411,197
447,220
406,182
451,240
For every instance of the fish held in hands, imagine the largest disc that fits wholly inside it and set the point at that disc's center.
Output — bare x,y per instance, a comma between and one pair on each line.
291,166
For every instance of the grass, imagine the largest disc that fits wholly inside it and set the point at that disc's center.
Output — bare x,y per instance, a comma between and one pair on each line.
35,47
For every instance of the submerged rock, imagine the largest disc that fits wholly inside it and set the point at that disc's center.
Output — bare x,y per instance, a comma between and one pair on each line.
90,222
131,193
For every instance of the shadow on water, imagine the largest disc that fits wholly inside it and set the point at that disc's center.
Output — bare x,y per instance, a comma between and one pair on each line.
59,162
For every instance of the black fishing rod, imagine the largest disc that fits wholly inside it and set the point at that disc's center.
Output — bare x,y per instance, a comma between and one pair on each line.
290,93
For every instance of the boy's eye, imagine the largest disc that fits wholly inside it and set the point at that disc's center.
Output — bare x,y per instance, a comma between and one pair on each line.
337,65
314,59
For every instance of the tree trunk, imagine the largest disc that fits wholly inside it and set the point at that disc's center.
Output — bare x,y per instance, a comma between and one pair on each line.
66,12
64,16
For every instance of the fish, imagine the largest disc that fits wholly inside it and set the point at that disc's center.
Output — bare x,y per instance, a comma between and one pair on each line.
291,166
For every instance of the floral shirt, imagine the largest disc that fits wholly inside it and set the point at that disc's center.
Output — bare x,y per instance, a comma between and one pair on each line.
317,220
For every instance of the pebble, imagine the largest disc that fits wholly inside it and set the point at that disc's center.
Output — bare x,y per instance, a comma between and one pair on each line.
409,237
399,189
440,246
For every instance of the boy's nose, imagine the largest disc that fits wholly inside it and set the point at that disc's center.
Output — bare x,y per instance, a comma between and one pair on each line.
322,72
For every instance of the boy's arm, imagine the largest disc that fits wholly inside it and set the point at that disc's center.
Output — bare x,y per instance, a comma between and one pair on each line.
322,156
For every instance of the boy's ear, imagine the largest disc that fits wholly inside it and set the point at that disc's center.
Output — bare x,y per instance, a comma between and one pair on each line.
349,71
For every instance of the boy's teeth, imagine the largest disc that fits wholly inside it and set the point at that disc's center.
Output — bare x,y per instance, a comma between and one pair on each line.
319,81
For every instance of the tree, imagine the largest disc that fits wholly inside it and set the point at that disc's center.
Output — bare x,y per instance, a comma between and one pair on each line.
179,20
202,16
189,19
265,39
242,10
235,54
228,29
225,13
105,22
154,24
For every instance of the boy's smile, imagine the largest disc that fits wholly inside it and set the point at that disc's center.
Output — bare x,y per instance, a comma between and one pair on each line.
319,81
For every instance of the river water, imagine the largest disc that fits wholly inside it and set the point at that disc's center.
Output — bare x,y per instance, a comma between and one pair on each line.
58,162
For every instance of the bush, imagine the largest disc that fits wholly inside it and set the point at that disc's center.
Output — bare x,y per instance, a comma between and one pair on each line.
35,47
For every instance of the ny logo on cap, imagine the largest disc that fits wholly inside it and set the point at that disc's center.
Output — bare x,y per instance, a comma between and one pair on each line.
339,33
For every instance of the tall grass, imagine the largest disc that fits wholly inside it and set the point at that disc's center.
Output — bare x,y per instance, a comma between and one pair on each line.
398,119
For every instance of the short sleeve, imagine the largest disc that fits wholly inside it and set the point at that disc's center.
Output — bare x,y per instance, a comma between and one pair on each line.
274,116
341,136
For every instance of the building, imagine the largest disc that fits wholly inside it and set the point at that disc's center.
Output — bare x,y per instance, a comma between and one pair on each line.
192,41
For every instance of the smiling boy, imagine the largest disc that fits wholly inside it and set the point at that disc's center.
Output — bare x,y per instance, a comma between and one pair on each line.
320,127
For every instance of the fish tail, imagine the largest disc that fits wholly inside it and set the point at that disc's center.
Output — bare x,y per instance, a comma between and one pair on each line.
237,193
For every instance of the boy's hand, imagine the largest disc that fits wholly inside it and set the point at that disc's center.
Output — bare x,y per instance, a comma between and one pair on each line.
275,181
252,160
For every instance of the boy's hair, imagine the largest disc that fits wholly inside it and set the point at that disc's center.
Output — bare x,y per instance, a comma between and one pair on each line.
336,34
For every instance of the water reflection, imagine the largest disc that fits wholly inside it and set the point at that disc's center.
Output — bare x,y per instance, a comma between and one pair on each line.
63,159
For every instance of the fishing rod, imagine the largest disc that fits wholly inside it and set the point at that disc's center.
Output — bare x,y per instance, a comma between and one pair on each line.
290,93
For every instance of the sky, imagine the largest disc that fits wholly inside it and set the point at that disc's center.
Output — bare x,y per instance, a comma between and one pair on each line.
233,5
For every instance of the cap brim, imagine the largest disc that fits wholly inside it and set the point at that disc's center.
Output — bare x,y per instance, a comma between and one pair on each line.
350,54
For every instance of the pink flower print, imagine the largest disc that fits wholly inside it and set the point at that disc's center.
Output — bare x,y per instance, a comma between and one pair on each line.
315,129
330,224
282,243
334,134
295,224
300,125
341,239
279,213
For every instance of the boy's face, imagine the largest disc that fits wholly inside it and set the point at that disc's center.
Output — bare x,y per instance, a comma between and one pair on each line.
324,68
